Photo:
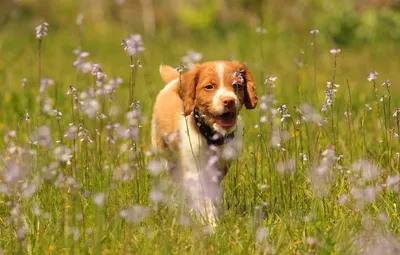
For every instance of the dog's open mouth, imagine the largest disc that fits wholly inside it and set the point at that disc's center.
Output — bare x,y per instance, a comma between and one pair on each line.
226,120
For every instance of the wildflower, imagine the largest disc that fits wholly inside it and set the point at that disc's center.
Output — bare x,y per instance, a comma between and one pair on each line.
335,51
10,134
393,180
90,107
36,209
100,75
286,167
261,30
24,82
41,30
347,113
343,199
369,194
80,64
369,108
282,108
99,199
324,108
372,76
135,214
71,90
133,45
30,189
309,113
303,156
63,154
84,134
58,114
14,173
315,31
270,81
322,175
22,232
366,170
396,112
26,116
387,83
44,137
123,173
155,167
71,132
192,58
238,77
330,92
181,67
156,195
79,20
44,83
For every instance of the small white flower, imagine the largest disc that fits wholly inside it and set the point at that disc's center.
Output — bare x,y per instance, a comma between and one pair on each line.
335,51
314,31
41,30
372,76
261,30
99,199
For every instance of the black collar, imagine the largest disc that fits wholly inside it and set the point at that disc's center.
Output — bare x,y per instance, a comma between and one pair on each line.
213,137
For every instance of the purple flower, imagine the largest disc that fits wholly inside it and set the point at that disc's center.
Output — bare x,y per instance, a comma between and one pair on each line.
44,83
335,51
133,45
315,31
192,58
387,83
270,81
41,30
261,30
373,76
99,199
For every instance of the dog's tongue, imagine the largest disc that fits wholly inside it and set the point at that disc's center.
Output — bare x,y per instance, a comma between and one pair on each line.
226,120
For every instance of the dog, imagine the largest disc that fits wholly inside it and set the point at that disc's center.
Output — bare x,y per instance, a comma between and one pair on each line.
196,127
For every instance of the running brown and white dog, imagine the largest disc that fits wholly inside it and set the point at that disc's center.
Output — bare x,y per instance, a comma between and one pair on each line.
197,128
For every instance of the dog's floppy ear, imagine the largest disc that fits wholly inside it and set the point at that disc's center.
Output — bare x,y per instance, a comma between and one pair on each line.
188,89
168,73
250,94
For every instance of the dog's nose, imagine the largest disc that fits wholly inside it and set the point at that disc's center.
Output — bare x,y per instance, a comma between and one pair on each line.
228,101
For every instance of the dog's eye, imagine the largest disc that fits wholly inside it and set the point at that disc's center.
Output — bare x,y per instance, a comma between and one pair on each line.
237,86
209,87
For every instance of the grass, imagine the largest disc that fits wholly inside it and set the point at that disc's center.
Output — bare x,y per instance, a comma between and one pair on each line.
307,182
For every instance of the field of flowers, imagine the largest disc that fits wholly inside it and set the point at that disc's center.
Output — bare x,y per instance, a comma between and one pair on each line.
319,170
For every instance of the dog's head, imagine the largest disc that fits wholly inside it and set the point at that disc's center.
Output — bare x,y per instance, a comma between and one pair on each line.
218,90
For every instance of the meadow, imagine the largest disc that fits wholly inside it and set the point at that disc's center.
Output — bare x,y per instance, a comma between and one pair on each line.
319,170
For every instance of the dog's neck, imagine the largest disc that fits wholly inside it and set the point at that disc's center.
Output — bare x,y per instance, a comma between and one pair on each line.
213,137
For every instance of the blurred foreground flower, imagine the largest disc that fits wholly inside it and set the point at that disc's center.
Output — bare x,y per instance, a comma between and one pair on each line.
192,58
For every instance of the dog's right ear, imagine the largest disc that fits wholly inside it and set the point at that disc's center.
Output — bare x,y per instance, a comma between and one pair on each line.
168,73
188,89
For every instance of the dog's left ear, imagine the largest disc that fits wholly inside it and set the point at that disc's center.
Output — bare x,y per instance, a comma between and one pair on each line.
250,94
188,89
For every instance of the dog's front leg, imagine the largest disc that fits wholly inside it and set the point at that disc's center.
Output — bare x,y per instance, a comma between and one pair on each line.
203,188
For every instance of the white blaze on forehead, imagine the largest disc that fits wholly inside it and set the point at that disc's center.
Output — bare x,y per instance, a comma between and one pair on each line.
220,72
218,105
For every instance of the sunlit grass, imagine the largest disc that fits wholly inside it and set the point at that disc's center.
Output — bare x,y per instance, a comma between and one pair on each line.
78,179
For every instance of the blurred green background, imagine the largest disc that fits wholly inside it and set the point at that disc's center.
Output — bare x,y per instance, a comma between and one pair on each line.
367,32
